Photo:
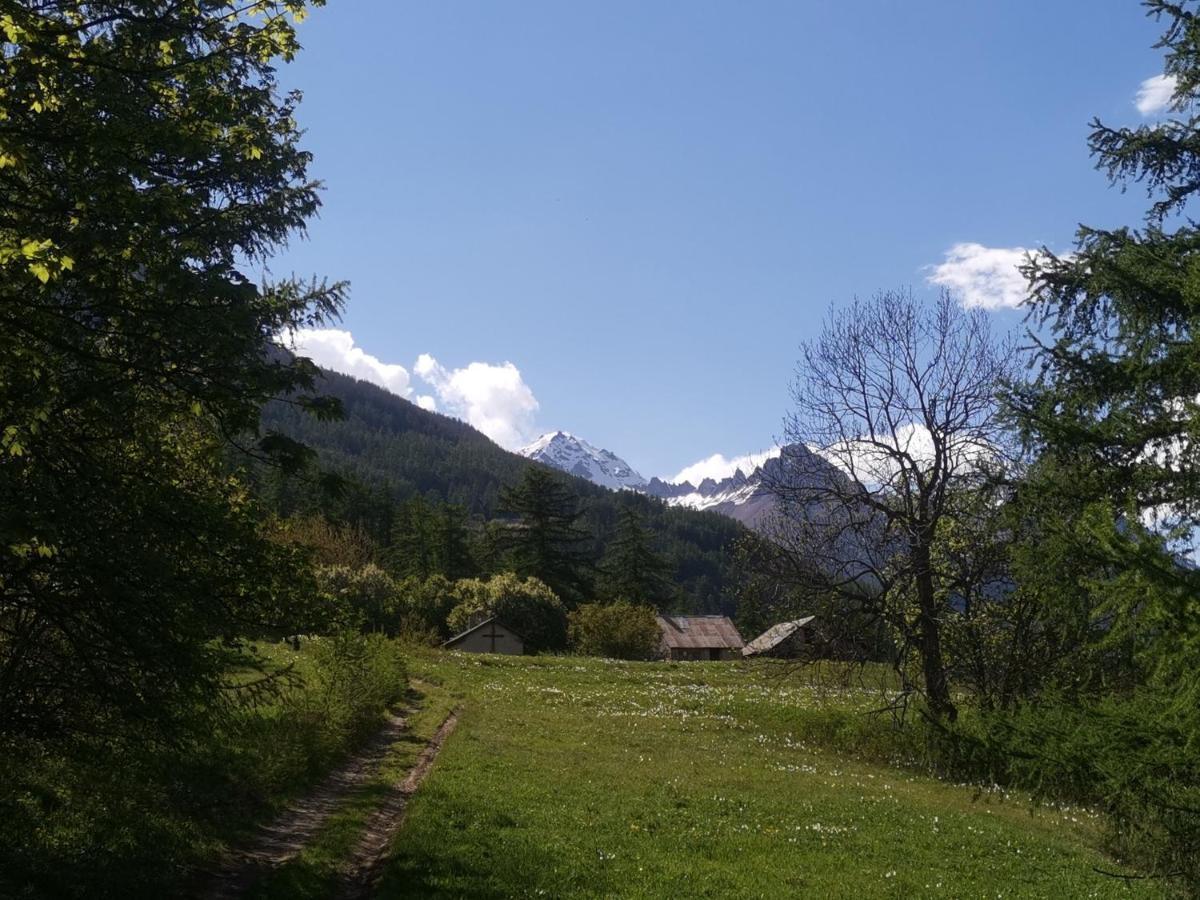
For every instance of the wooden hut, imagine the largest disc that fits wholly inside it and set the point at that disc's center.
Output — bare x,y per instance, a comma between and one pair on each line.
489,636
699,637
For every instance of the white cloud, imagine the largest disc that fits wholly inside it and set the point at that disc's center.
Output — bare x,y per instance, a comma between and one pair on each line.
1154,95
334,348
982,276
717,467
494,399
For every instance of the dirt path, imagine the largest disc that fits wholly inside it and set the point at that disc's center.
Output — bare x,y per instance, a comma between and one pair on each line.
365,863
284,838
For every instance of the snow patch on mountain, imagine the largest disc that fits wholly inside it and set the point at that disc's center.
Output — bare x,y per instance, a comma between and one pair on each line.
698,499
718,467
739,495
565,451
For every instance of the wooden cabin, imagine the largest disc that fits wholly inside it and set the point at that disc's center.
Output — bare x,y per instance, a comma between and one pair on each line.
699,637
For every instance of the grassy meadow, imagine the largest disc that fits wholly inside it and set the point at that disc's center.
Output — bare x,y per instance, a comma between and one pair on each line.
574,777
578,777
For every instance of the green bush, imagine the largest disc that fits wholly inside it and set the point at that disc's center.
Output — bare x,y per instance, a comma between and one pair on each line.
526,605
426,603
355,677
1133,755
366,594
617,630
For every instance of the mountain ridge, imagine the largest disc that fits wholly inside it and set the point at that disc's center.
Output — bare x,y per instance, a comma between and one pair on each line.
572,454
741,496
391,450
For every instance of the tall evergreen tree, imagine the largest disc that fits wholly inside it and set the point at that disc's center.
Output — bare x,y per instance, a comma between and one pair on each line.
455,557
431,539
545,541
632,570
1113,410
1114,404
414,540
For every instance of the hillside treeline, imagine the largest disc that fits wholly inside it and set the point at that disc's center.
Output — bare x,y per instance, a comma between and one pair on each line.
393,461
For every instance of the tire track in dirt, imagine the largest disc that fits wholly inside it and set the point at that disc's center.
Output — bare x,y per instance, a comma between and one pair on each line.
365,865
285,837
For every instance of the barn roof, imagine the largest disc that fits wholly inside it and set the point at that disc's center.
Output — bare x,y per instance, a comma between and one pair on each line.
699,632
458,637
774,636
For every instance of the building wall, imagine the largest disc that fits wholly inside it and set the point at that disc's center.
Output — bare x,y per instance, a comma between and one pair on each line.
799,644
701,653
481,641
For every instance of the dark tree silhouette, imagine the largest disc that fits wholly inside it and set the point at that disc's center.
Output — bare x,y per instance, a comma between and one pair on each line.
545,540
898,396
632,570
159,158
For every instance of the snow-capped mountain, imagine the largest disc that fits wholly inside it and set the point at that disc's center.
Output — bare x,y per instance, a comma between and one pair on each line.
576,456
742,496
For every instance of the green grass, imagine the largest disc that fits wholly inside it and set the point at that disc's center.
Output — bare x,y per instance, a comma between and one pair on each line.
571,777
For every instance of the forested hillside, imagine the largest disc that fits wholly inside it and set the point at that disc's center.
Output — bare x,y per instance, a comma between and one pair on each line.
389,451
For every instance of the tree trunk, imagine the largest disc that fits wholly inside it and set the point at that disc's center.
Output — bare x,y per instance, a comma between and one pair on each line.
937,689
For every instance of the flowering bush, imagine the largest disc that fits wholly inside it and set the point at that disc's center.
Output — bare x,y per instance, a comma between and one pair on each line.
527,606
618,630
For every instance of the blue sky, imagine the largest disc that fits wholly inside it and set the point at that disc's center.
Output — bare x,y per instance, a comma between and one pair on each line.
644,208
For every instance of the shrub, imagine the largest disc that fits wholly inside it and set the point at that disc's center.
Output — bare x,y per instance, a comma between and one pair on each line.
425,604
329,544
1128,754
367,594
355,677
527,605
618,630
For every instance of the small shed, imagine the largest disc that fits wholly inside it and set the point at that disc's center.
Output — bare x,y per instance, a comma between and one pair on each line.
699,637
489,636
787,639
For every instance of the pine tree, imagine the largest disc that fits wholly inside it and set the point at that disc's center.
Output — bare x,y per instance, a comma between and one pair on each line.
632,569
414,540
1113,410
1114,406
455,558
431,539
545,541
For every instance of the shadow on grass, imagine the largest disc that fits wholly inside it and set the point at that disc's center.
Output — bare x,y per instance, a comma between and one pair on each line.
417,874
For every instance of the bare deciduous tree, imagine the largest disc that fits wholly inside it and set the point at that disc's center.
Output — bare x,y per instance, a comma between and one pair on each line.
894,416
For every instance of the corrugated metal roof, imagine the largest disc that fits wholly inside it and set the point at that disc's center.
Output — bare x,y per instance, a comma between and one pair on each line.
774,636
699,632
